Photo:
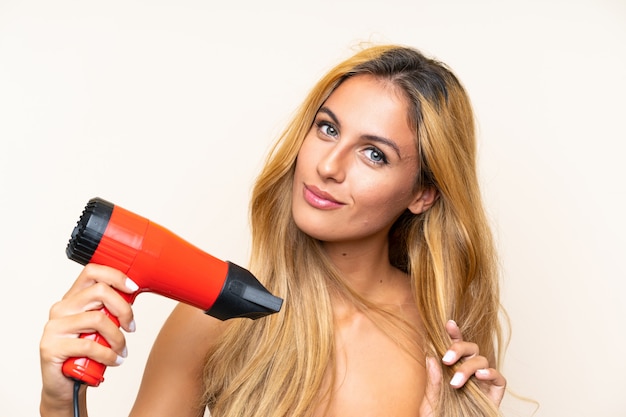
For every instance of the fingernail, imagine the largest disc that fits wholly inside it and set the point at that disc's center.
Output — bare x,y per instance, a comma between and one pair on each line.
124,353
131,285
449,356
119,360
453,322
456,379
132,326
484,372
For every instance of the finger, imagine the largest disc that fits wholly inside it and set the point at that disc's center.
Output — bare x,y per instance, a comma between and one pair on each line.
70,327
94,273
458,351
59,350
454,331
492,383
95,297
433,387
467,369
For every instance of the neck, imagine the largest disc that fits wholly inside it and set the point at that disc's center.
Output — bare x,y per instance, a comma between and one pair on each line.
366,268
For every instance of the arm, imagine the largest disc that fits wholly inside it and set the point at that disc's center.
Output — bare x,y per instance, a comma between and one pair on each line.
172,380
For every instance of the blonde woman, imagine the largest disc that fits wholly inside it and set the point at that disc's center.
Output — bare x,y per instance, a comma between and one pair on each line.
367,219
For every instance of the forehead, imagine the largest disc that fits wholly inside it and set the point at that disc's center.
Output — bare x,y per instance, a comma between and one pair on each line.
372,105
369,86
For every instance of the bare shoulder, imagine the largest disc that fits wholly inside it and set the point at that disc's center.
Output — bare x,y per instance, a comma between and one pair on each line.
172,380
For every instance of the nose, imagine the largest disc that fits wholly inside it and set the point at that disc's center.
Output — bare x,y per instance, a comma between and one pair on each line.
333,163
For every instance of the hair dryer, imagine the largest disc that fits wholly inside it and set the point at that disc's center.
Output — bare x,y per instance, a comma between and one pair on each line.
163,263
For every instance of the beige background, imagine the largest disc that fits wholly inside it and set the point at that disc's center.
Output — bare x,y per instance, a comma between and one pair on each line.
168,107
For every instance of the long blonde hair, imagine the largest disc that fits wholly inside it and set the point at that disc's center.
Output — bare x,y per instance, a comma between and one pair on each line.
277,366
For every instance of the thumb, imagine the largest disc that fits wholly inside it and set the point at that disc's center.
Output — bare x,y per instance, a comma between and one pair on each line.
433,387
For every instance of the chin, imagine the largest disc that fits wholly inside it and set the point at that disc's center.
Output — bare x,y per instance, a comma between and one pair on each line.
313,230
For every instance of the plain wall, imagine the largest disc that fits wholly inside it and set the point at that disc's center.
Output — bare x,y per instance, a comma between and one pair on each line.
168,108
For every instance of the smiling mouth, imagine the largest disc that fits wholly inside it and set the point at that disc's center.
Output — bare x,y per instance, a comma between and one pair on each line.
320,199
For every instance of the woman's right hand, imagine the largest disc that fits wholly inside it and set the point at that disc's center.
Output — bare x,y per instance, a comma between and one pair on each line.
79,312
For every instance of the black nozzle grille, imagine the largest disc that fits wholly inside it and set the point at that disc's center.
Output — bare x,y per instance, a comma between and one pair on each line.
89,230
243,296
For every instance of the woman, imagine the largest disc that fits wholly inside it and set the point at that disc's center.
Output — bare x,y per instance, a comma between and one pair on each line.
367,219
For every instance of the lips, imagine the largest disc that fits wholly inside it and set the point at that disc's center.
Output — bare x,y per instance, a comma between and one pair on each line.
320,199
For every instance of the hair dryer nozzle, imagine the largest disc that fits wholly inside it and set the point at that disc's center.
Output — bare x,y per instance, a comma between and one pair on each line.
89,230
243,296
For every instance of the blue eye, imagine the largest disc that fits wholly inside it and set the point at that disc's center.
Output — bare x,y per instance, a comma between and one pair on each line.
327,129
376,155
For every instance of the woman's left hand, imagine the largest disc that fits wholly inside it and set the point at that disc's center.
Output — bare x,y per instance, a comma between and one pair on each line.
471,363
491,382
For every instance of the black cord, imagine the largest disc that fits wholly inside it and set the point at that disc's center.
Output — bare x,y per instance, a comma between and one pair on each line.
77,385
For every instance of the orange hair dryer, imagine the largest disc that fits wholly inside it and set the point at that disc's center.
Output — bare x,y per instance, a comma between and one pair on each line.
163,263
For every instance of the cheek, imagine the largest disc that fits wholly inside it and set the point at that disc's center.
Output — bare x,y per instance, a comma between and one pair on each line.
387,198
302,171
303,161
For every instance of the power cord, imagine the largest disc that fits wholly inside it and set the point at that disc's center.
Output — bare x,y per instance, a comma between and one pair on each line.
77,385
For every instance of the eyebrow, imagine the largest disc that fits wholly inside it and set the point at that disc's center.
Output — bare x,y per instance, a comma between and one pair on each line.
373,138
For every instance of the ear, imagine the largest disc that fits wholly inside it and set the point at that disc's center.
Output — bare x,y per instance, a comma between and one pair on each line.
423,200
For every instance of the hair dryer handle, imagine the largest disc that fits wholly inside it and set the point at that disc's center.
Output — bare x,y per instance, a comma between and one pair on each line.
88,370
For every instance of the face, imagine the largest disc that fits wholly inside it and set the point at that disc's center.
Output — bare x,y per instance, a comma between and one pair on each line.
356,170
